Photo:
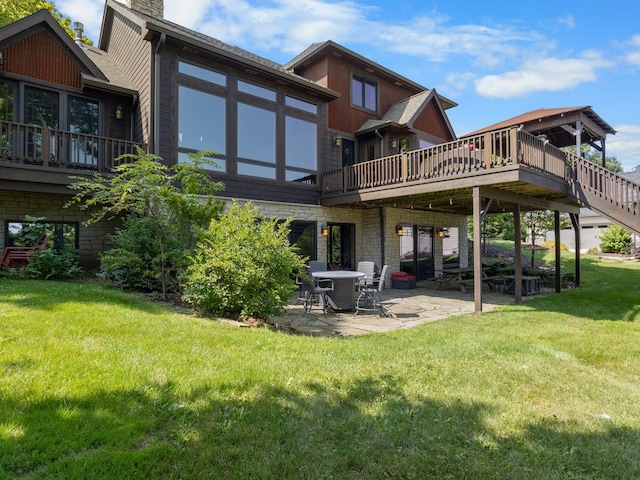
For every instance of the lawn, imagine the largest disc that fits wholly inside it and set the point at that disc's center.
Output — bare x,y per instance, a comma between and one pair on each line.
96,383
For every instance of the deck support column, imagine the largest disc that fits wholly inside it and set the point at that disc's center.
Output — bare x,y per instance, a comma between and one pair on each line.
477,250
575,221
517,260
556,233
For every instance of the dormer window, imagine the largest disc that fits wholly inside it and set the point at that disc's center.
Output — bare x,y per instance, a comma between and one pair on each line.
364,93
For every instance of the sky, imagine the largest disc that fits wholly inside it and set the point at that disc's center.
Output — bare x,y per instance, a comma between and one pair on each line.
494,59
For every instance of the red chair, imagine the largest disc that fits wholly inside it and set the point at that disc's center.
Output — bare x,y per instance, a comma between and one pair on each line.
13,257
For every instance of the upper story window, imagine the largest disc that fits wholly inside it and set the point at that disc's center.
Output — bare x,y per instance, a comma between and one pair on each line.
301,104
7,92
202,73
364,92
256,91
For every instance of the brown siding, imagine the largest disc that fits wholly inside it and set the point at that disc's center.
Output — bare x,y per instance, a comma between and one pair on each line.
93,239
40,56
262,190
342,116
431,121
133,54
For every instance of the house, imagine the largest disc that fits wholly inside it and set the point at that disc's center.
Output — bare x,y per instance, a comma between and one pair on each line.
363,159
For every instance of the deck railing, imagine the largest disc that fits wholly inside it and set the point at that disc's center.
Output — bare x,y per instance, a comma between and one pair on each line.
471,154
52,148
605,190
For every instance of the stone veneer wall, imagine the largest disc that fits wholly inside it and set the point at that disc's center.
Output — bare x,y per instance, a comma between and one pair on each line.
368,231
92,239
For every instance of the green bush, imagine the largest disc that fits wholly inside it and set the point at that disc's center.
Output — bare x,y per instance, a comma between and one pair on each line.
615,239
49,264
243,267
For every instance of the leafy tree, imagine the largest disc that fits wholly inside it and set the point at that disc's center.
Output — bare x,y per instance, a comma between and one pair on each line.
615,239
12,10
537,223
244,266
167,207
593,155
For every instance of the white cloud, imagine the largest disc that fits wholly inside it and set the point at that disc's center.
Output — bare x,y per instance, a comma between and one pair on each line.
542,74
625,146
89,13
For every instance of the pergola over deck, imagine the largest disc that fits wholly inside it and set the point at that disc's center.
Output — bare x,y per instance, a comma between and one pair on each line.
507,170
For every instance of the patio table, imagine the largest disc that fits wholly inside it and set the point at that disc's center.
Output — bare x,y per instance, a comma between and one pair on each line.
343,296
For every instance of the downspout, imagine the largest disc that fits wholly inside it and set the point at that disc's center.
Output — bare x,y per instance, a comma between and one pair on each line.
156,94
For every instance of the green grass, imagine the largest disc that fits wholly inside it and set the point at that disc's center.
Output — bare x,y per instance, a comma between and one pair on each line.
96,383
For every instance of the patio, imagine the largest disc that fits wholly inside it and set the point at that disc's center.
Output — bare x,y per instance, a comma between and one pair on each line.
407,308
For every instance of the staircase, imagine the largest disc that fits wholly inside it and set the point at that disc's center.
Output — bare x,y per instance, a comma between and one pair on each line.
605,192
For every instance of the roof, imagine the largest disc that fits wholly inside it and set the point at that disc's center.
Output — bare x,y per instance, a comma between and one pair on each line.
27,26
633,175
545,113
115,78
557,124
322,49
216,46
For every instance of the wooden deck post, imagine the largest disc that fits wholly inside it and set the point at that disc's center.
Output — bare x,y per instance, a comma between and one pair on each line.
556,233
517,260
477,250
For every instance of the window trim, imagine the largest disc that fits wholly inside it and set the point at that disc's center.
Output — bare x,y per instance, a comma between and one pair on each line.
364,80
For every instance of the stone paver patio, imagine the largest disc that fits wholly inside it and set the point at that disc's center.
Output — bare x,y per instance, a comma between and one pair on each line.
407,308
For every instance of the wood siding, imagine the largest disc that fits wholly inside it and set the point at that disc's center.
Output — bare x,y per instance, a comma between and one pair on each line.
431,121
133,54
41,57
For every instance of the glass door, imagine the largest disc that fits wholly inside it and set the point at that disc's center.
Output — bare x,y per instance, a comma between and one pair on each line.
416,251
341,245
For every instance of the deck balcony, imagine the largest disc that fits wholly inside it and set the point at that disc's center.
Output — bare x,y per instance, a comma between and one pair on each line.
509,165
41,155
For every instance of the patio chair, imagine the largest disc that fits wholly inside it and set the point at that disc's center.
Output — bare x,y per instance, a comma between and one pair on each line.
13,257
317,265
369,299
369,269
314,292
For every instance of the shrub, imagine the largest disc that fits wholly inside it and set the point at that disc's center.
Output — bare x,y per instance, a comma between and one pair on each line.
50,264
551,244
615,239
243,267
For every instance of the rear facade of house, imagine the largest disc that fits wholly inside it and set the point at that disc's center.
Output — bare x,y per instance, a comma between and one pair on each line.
273,130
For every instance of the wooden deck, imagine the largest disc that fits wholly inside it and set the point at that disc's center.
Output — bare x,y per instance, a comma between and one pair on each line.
511,166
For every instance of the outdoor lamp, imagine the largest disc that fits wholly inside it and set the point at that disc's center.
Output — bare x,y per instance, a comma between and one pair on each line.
324,230
399,231
119,112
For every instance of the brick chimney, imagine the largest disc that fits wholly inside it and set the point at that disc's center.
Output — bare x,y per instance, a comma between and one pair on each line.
153,8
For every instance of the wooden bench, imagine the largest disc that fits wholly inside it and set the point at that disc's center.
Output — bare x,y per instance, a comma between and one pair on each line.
13,257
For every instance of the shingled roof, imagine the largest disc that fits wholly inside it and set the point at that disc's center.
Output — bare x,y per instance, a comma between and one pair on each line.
214,45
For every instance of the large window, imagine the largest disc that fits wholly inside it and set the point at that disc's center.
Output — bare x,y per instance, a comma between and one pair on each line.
60,234
256,130
83,118
256,141
202,124
303,236
301,150
364,93
341,245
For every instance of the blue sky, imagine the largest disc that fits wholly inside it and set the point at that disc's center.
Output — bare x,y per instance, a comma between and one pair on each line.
495,59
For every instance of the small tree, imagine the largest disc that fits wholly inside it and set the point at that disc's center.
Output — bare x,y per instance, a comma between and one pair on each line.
615,239
244,266
536,224
166,208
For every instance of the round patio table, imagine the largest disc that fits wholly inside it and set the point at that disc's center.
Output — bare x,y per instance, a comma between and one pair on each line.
343,296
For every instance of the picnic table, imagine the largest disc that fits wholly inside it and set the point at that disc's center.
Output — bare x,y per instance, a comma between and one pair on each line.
462,277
